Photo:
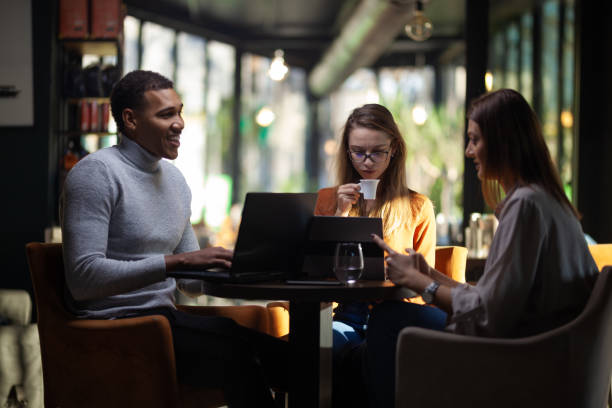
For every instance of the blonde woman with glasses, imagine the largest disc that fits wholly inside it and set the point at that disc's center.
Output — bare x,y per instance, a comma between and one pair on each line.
372,147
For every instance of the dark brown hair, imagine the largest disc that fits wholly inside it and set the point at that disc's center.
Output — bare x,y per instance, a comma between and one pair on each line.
395,202
514,145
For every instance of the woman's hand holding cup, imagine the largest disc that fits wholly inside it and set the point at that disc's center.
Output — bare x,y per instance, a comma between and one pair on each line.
347,196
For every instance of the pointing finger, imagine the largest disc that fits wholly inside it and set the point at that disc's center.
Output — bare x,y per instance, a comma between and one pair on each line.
382,244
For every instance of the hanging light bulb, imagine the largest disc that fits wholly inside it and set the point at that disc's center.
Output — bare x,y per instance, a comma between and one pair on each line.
488,79
567,118
278,69
265,117
330,147
419,27
419,115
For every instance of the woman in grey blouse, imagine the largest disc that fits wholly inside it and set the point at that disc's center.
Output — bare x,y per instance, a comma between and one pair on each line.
539,272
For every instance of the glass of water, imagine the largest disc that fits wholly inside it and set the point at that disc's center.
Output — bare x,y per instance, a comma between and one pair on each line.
348,262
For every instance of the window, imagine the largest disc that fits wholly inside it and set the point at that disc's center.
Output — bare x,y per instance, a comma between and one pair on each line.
157,49
190,75
513,66
273,151
131,32
526,50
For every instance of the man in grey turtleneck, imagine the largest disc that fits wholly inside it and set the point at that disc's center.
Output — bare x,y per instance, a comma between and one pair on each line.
125,224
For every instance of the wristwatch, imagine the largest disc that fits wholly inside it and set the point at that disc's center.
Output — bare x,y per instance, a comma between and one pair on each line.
430,291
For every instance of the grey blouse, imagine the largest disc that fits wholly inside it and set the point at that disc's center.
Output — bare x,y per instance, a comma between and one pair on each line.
538,275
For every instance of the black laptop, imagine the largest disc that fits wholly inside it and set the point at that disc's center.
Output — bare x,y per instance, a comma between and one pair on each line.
270,239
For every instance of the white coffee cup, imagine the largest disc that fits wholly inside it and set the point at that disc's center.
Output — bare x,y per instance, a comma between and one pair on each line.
368,188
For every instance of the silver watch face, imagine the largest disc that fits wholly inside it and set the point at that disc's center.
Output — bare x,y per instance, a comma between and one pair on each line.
430,291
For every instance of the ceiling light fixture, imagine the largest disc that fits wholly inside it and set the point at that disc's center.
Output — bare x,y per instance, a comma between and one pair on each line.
488,79
419,27
567,118
419,115
278,69
265,117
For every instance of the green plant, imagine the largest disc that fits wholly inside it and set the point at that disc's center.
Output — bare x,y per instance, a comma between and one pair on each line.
434,153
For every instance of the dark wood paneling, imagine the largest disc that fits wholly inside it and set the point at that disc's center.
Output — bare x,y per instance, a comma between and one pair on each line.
476,56
313,144
593,68
27,166
236,146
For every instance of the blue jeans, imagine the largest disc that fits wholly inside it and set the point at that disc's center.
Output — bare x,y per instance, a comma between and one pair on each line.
349,331
387,319
349,326
346,336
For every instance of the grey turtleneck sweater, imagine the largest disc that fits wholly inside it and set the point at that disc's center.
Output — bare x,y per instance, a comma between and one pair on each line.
122,211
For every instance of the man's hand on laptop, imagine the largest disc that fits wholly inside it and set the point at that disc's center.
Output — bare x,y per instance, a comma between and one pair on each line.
201,259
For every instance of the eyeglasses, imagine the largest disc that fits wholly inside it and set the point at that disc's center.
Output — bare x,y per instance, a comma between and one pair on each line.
376,157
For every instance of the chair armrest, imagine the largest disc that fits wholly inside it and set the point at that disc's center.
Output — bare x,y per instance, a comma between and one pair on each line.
15,304
278,313
437,368
252,316
142,336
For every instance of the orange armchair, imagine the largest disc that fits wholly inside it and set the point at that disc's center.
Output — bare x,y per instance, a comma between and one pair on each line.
110,363
450,260
602,254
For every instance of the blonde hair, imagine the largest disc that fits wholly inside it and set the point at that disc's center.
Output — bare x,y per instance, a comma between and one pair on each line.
396,204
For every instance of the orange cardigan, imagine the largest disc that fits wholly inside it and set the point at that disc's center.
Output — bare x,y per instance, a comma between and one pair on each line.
421,235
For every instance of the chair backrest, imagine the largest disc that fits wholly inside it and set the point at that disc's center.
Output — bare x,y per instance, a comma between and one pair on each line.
47,270
450,260
602,254
568,366
591,345
46,264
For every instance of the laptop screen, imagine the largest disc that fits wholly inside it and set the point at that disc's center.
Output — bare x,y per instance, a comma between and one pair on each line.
272,232
324,233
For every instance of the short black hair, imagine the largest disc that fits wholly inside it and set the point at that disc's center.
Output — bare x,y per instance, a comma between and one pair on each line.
129,92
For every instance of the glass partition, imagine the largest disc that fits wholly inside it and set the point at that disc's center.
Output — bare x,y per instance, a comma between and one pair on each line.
190,75
550,77
158,49
526,50
131,33
513,50
273,128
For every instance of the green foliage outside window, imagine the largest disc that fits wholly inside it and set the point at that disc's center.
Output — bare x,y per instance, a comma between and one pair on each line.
434,153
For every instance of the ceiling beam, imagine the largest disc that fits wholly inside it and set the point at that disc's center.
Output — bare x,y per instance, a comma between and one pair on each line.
180,19
267,43
436,43
365,36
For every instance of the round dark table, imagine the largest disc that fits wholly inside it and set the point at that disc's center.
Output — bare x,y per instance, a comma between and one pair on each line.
310,322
